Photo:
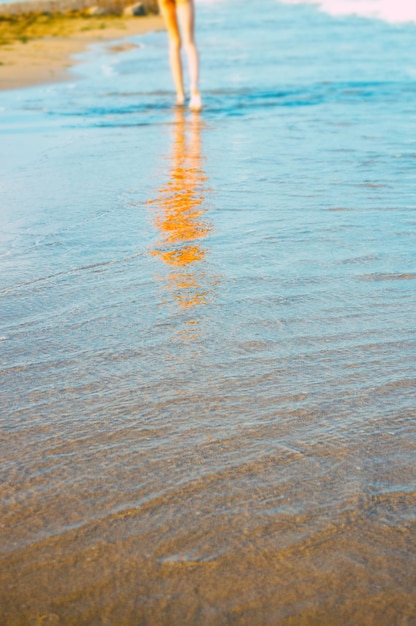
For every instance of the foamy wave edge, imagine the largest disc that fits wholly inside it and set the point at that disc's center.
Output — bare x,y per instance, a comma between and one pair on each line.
391,11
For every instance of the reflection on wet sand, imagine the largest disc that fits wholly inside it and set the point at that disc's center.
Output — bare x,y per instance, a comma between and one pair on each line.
180,215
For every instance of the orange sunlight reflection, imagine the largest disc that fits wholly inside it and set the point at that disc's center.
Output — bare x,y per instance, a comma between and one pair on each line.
179,215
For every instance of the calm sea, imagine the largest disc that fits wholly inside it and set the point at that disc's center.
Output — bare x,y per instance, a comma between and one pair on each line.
208,330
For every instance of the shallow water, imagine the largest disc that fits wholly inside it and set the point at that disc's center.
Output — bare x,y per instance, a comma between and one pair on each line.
208,331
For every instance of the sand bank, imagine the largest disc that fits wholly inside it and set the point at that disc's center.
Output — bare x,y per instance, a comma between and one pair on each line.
46,59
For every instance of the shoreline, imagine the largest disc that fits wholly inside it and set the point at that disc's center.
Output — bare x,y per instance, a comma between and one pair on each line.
47,59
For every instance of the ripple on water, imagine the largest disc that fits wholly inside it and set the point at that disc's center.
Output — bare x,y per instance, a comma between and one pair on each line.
208,332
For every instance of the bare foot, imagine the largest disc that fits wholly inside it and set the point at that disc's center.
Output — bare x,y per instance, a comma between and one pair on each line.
180,99
195,103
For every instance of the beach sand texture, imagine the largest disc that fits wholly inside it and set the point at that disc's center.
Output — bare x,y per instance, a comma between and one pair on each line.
47,59
207,330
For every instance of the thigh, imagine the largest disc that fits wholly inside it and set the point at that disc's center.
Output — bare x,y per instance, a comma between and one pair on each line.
168,11
186,15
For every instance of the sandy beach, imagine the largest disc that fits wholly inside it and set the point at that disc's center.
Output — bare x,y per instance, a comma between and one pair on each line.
47,59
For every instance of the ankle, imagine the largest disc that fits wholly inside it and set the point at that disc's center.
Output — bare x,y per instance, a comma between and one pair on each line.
195,103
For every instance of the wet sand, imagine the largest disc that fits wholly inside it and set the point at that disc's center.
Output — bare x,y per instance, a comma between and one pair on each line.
207,332
46,60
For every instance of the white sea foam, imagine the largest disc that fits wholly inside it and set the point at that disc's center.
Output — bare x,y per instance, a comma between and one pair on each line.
393,11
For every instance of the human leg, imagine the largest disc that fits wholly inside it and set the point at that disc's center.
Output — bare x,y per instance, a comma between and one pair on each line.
168,11
186,15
